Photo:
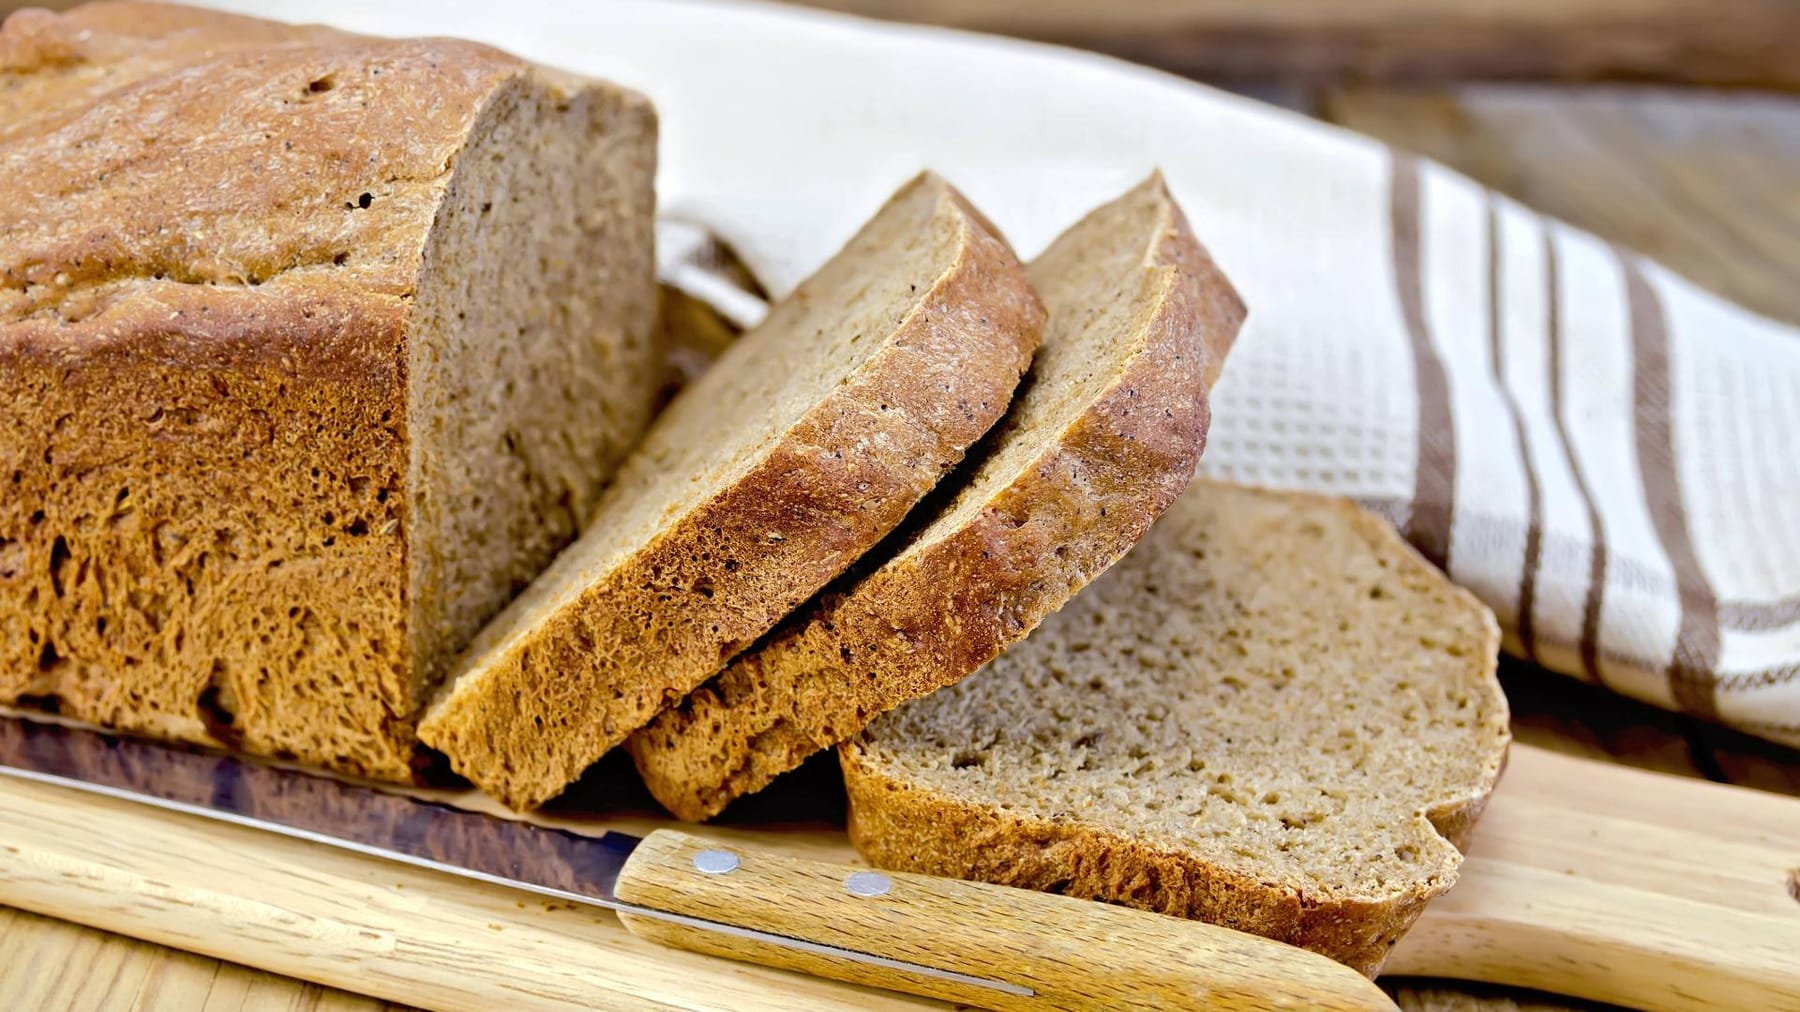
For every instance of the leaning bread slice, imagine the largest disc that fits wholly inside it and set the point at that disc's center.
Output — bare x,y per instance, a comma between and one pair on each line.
807,442
1103,436
1271,715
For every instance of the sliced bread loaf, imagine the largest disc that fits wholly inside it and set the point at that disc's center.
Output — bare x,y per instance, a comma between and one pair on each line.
316,348
1103,436
1272,715
805,444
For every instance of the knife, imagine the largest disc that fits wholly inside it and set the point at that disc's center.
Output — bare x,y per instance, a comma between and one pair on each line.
986,945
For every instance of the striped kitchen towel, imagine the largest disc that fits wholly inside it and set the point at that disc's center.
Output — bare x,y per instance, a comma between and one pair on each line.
1593,447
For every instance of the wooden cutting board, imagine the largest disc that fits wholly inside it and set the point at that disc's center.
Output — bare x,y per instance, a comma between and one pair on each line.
1584,878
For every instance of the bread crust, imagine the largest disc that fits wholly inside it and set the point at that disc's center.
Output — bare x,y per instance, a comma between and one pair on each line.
146,574
534,712
902,826
206,316
935,615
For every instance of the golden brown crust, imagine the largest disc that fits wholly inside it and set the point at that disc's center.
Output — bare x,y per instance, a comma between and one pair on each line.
903,826
280,162
207,275
543,708
144,571
936,615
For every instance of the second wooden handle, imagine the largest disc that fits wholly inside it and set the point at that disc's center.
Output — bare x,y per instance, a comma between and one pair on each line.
1044,951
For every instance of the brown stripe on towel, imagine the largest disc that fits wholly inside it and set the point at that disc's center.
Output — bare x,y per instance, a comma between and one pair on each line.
1595,599
1434,478
1760,616
1764,679
1534,526
1692,668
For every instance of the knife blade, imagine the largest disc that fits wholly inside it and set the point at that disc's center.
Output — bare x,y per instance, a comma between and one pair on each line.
394,827
718,898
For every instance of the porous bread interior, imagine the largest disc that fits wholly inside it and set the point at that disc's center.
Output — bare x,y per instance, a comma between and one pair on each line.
530,378
1098,282
719,427
1271,684
1105,283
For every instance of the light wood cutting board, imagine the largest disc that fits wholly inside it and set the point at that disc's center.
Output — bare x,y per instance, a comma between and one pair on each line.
1584,878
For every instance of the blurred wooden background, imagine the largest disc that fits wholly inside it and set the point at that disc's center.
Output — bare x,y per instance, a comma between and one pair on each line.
1730,42
1665,125
1741,43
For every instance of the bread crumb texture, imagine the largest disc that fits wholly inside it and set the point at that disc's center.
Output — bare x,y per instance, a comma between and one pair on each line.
1103,435
1271,715
317,348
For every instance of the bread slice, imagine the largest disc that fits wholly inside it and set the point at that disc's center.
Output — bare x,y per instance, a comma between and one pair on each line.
805,443
316,348
1272,715
1103,436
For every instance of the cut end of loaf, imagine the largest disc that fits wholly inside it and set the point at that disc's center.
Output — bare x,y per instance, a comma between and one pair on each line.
531,370
1267,716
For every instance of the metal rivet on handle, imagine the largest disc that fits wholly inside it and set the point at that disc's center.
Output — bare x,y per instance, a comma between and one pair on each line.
716,862
868,883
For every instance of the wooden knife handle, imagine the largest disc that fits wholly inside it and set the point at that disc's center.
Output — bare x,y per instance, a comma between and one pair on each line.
1055,952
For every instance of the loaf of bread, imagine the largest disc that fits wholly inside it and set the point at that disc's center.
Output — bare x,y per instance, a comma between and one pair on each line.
805,444
316,349
1103,436
1272,715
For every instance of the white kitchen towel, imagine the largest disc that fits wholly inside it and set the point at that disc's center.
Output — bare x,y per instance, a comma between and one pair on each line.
1599,449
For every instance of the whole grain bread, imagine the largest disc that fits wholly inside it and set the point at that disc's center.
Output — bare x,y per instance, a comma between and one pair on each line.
1104,435
1272,715
804,445
316,349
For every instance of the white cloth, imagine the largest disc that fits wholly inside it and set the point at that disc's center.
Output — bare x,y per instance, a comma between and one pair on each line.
1591,444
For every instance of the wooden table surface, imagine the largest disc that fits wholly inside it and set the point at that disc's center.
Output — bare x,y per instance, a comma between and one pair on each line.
1708,182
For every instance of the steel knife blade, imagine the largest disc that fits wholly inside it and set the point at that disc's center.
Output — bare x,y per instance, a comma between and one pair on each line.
367,820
